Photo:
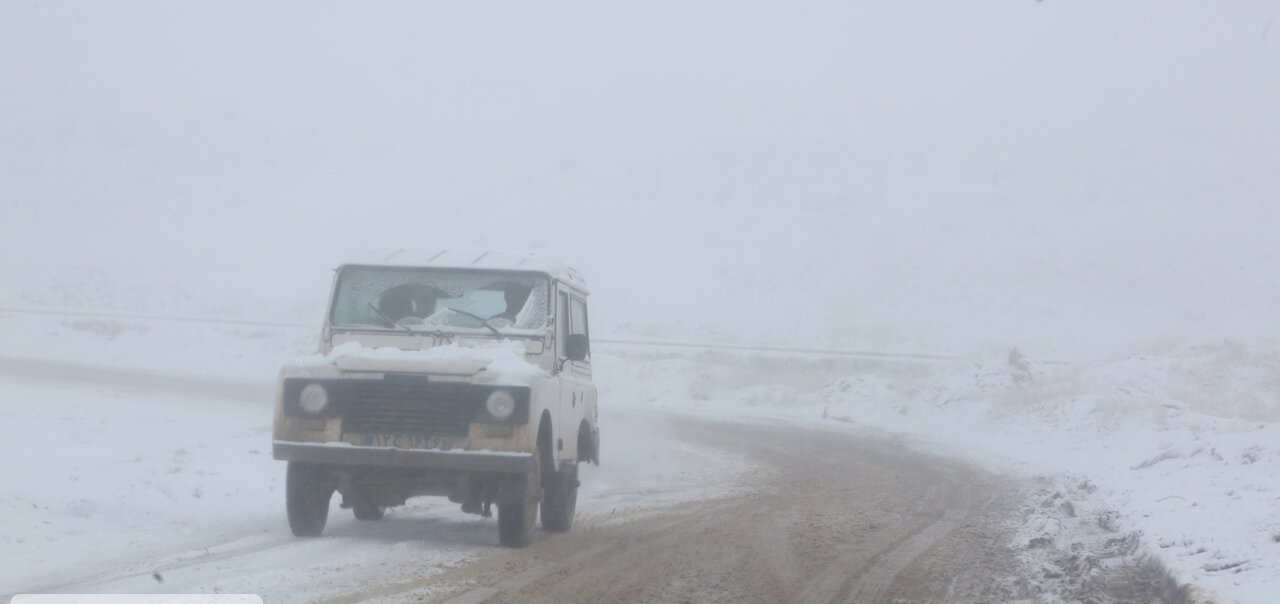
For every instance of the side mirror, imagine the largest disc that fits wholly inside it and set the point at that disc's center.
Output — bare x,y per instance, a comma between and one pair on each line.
575,348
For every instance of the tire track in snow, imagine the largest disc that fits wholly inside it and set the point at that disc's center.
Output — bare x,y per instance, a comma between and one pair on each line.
531,569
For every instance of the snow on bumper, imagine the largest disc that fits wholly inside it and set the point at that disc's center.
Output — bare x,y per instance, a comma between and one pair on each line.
351,455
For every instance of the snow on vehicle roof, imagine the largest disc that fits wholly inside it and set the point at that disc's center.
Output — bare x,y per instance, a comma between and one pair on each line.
466,258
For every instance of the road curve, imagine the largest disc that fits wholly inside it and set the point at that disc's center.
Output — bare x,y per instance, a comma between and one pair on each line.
828,517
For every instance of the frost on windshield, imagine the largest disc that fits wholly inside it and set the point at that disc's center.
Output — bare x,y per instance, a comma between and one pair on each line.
385,297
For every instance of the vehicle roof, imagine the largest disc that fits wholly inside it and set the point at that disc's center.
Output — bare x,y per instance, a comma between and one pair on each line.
468,258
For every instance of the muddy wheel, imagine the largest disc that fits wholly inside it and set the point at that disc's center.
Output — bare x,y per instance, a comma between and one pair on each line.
518,510
308,488
368,511
561,500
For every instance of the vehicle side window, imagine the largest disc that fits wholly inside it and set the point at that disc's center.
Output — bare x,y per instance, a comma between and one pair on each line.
578,321
562,323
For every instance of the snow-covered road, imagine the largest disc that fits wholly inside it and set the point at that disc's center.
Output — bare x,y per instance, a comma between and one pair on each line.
820,517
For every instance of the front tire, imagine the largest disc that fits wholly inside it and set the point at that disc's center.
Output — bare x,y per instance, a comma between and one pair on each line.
561,500
518,509
308,488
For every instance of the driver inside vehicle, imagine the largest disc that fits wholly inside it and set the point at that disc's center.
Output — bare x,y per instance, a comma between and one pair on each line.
408,300
515,296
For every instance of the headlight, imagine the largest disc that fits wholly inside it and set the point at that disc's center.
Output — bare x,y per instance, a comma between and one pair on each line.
313,398
500,404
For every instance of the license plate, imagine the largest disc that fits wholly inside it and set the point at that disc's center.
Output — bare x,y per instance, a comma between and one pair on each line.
406,441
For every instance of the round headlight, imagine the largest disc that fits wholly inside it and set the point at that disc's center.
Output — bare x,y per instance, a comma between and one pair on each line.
313,398
500,404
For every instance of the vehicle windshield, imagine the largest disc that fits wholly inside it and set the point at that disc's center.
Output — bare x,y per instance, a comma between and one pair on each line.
445,299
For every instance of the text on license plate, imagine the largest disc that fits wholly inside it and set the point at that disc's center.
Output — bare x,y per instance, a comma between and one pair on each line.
406,441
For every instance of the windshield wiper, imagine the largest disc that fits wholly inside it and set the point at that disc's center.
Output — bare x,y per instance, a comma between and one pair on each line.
390,323
482,320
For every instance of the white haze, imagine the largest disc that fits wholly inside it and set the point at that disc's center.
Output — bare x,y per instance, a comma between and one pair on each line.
1070,177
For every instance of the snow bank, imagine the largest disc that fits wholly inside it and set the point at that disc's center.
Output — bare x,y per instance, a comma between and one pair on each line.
113,474
1176,449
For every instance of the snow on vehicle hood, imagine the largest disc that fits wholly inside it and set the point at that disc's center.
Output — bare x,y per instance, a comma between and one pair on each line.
503,359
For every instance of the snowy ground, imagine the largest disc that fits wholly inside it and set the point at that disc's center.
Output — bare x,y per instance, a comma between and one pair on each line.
1171,453
149,472
1178,445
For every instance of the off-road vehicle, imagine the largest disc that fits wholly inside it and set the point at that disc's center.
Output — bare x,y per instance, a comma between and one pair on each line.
458,374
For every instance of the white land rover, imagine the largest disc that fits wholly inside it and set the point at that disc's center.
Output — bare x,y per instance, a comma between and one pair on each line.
457,374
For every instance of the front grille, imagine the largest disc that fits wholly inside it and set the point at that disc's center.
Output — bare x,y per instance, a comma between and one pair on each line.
404,405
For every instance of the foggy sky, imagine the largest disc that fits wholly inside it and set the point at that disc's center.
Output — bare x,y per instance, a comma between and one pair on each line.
1062,176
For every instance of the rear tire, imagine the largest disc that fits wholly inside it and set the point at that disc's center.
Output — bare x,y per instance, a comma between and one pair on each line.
561,500
307,490
518,509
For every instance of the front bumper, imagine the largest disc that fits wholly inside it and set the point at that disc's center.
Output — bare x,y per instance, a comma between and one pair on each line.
350,455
